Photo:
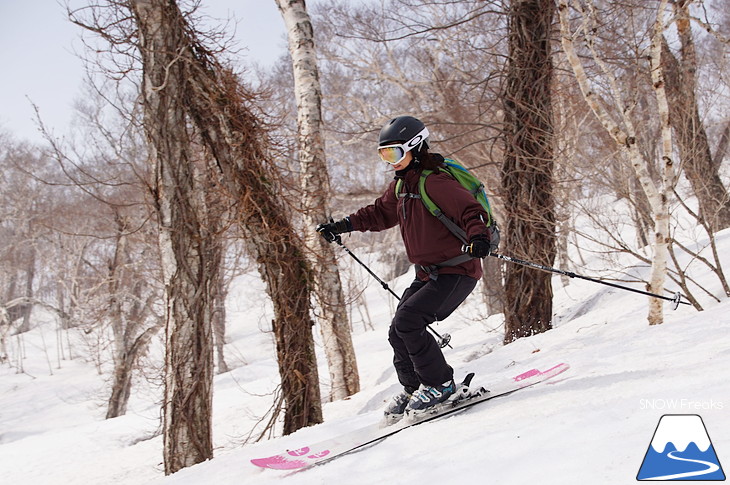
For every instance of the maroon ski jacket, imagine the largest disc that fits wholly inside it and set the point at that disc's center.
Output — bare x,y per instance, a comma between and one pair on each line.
426,239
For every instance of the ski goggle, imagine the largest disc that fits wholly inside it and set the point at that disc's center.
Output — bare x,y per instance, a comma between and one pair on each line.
394,154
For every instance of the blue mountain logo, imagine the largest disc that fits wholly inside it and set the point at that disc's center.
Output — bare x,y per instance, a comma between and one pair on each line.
681,450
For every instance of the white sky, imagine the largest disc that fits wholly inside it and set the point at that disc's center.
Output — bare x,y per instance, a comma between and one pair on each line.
39,62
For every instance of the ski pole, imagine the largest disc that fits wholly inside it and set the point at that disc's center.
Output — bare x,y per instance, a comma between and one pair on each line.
443,340
677,299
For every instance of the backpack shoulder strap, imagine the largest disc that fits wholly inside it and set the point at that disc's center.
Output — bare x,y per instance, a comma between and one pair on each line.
436,211
430,204
402,195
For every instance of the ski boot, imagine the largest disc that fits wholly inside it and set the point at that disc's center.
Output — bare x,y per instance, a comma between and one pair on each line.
428,400
395,410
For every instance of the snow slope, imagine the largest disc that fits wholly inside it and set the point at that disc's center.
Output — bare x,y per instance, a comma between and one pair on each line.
592,425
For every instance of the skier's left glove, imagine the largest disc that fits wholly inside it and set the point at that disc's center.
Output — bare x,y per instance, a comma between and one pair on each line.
331,230
483,245
478,247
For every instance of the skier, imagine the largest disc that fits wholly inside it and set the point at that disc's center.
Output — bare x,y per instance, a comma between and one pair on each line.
440,285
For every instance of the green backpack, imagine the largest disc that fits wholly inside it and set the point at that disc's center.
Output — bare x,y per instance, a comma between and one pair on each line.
466,179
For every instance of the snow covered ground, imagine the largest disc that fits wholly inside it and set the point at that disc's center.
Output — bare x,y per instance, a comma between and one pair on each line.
592,425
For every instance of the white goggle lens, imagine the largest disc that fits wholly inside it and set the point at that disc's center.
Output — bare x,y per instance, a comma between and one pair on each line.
392,155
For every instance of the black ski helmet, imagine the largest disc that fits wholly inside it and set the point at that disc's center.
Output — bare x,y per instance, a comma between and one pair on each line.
404,129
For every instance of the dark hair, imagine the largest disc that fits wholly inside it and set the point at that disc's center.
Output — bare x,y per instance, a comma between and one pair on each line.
429,161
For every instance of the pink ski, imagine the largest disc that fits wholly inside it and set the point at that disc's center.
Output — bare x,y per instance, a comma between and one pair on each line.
337,446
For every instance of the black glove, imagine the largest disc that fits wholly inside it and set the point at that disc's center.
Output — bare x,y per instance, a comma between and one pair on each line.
331,230
482,246
478,247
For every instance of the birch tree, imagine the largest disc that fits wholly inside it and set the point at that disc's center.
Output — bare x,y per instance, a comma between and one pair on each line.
130,312
189,250
334,321
624,133
694,148
192,101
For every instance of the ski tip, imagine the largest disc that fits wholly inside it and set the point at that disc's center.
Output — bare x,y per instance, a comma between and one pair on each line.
552,371
261,462
276,463
292,459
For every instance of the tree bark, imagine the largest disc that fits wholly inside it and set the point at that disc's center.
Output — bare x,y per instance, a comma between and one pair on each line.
334,321
219,324
123,361
189,250
661,206
527,172
236,139
123,371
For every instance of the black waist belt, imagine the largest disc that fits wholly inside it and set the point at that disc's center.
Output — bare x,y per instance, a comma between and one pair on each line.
433,270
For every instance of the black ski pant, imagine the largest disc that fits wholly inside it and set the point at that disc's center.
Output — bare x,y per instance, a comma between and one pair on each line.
417,357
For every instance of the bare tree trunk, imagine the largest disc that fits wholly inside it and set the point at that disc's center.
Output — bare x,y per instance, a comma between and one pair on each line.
129,308
694,147
722,145
566,127
221,110
219,324
123,368
189,251
122,381
661,207
527,173
121,386
29,280
334,321
235,137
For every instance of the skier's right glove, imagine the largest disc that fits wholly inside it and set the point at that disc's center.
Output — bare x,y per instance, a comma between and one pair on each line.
331,230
